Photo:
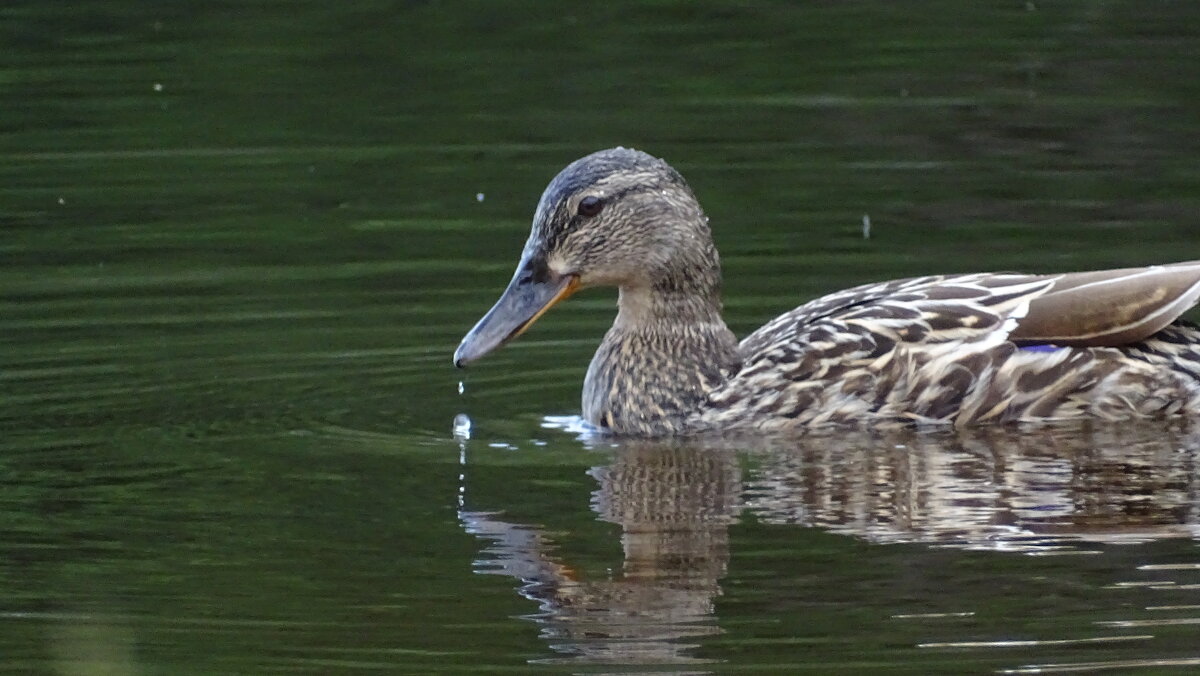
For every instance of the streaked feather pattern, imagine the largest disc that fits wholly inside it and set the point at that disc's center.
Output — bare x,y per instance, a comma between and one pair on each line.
941,350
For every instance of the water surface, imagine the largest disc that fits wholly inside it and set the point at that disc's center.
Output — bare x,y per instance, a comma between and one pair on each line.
240,242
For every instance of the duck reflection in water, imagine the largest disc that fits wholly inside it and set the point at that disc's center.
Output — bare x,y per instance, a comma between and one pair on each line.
674,505
992,488
1042,490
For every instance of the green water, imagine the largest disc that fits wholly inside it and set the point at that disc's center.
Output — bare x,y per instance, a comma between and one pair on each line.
239,242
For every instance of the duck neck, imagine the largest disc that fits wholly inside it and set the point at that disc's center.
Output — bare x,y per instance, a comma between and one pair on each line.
666,350
652,310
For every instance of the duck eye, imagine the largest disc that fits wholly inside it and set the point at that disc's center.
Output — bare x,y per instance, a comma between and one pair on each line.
590,205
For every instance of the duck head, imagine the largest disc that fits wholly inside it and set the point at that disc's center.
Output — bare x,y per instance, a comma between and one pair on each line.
617,217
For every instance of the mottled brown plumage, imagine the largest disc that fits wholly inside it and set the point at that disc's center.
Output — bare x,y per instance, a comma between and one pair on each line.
953,349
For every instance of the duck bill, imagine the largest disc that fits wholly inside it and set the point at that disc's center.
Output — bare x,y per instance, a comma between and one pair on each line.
523,302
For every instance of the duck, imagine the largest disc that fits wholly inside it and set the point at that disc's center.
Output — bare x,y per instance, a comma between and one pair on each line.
945,350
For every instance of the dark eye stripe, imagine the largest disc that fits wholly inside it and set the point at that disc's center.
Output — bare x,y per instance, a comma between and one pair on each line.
563,223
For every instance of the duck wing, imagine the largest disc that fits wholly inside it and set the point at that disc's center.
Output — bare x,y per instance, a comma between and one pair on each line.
907,348
1105,308
920,309
1110,308
944,348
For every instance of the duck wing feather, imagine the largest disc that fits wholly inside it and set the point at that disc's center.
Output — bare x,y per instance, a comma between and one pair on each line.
1110,308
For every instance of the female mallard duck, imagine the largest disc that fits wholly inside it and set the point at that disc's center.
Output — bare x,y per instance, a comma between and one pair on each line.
953,349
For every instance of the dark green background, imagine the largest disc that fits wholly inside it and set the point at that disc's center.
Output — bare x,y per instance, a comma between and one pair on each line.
240,240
